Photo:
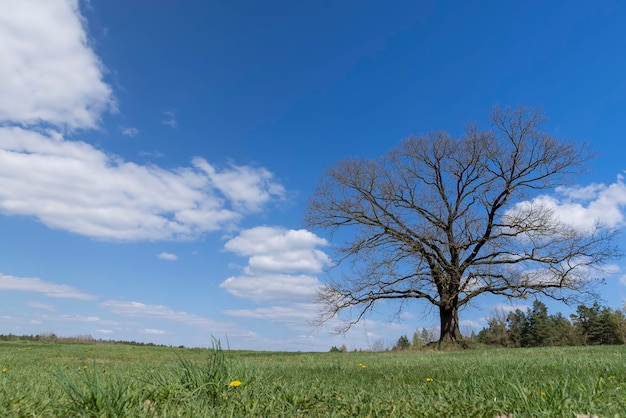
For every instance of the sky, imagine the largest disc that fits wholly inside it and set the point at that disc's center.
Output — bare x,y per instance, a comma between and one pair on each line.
156,156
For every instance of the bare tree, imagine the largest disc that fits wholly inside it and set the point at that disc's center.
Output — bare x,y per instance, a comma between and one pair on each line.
448,219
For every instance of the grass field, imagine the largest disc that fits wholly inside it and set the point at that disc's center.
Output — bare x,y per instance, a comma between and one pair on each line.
52,379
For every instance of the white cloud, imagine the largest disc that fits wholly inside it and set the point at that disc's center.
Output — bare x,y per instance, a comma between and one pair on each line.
152,331
164,313
77,318
468,323
622,280
247,187
39,305
300,317
142,310
583,206
52,290
609,269
301,310
105,331
405,316
272,287
151,154
170,119
588,192
51,77
168,256
506,308
275,249
49,73
73,186
279,264
296,315
129,131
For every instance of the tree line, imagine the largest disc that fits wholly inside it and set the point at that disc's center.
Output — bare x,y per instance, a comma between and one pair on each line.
78,339
590,325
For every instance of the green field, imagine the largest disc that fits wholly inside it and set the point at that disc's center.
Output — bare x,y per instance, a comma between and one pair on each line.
53,379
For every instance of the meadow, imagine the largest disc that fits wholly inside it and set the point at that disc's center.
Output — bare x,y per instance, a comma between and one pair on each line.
104,380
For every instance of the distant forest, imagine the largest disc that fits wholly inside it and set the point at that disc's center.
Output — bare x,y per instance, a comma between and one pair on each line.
594,325
590,325
79,339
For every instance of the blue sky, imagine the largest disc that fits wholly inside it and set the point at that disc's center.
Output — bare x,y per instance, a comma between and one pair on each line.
156,156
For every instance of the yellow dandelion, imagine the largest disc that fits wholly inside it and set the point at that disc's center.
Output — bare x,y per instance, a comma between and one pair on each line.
429,379
542,393
235,384
5,369
611,377
361,365
84,367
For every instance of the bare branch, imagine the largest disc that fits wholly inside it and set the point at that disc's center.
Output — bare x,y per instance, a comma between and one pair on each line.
448,219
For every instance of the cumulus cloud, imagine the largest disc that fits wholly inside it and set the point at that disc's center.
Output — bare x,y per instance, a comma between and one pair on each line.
274,249
49,73
279,274
280,263
73,186
11,283
168,256
51,81
247,187
584,206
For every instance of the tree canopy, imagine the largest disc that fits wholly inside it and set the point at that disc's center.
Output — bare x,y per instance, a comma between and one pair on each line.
447,219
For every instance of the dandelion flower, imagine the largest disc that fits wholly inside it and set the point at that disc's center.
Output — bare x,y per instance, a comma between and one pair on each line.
611,377
5,369
235,384
361,365
542,393
429,379
84,367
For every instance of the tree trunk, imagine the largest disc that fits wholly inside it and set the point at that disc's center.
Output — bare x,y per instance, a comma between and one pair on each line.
449,320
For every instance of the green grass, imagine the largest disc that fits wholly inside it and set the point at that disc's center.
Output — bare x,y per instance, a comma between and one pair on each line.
46,379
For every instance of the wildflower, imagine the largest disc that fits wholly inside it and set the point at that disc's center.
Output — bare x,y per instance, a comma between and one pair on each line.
84,367
611,377
429,379
361,365
542,393
5,369
235,384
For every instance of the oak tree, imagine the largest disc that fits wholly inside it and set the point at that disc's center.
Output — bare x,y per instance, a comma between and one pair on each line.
447,219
